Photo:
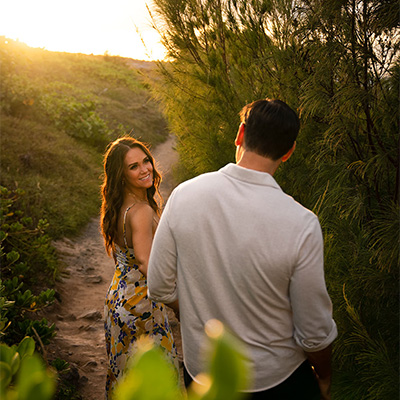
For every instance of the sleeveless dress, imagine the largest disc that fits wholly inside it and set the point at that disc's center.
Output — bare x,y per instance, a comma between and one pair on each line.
129,314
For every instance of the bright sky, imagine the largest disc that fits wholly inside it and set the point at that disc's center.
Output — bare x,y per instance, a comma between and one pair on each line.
83,26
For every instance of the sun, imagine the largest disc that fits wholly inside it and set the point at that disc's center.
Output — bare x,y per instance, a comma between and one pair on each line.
83,26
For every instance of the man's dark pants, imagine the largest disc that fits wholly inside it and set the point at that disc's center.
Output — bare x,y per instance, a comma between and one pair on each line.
301,385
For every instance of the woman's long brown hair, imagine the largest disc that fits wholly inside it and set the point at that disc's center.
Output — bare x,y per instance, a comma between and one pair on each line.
112,188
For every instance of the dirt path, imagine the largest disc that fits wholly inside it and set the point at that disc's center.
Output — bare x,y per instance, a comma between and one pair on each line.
88,273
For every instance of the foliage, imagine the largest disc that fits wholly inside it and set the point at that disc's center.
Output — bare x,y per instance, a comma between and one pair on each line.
336,63
66,389
27,261
23,376
44,86
81,121
25,250
151,377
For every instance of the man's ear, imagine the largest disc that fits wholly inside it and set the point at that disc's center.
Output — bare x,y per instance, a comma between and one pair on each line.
289,153
240,135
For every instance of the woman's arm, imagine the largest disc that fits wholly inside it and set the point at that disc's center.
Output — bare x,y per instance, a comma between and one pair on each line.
140,224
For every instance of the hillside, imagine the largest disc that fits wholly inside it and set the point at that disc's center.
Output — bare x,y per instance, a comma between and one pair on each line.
58,112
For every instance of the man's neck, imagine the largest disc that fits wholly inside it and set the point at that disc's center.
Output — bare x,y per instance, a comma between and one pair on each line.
250,160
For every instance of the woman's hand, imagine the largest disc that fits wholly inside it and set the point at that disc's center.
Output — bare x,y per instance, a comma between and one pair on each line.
175,307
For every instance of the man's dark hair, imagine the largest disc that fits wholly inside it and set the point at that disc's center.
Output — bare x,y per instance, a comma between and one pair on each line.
271,128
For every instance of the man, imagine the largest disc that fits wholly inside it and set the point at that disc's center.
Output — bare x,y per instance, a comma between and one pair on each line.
232,246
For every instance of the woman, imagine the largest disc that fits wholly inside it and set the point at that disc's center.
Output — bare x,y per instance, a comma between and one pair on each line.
129,217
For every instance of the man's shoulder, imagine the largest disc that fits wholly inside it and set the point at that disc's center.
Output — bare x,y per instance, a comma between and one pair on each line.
200,180
297,211
196,190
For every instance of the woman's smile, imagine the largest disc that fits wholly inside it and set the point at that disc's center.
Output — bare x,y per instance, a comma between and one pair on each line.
145,177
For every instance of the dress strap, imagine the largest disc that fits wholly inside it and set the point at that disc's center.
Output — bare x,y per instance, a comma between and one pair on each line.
124,226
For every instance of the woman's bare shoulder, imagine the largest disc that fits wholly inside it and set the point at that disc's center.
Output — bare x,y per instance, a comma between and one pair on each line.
140,213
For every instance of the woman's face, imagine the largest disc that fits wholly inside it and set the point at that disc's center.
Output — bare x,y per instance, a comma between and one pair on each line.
138,170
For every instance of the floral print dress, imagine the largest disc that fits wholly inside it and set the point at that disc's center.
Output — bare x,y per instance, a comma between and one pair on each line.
130,314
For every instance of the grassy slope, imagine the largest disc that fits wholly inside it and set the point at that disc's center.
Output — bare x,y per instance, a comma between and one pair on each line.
61,175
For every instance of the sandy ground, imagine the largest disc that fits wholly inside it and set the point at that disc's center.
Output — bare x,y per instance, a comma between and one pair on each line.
79,313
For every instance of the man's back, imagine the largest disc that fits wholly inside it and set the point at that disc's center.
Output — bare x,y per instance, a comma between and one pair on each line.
248,255
232,246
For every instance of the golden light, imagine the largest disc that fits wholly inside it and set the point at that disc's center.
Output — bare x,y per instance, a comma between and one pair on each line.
83,26
203,384
214,328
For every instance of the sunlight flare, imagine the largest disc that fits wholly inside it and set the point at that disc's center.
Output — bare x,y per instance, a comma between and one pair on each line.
88,27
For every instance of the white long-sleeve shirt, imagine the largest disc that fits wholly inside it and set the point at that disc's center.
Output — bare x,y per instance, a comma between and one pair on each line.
232,245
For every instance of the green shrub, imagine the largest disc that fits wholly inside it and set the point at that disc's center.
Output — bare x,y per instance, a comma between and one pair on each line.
79,119
23,375
18,310
28,261
25,248
17,95
5,305
66,390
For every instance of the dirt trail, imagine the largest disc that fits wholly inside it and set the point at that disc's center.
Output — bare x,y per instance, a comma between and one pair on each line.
82,290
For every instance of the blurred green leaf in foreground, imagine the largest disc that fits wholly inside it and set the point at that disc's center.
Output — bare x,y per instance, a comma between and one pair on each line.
151,377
